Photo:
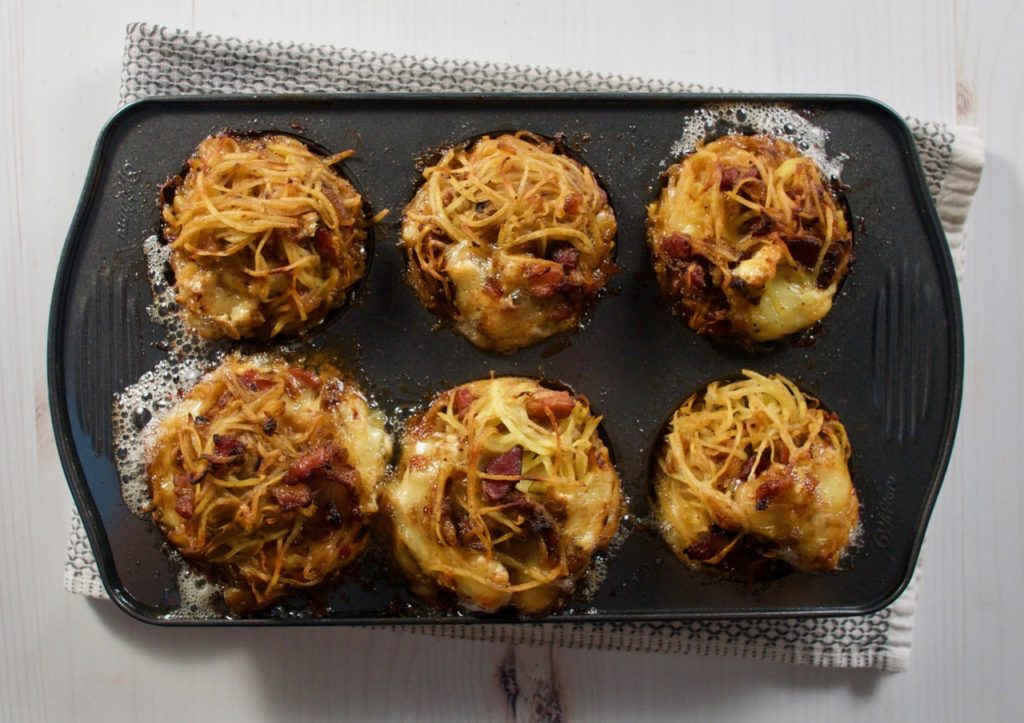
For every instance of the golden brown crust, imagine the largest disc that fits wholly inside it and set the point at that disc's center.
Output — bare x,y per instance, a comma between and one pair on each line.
265,237
509,238
748,239
503,493
756,466
266,475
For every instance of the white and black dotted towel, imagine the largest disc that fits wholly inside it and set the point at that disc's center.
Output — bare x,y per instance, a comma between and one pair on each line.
159,61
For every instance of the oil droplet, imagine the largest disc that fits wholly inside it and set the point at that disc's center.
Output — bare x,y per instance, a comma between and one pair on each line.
141,416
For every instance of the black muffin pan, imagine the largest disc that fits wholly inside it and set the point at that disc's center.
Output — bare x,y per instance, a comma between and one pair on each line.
888,358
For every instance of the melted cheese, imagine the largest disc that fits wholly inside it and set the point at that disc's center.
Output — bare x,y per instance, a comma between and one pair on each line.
756,459
791,301
500,561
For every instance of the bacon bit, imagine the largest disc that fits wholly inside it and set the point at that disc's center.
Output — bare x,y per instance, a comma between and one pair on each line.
544,278
719,327
762,225
708,546
449,530
447,197
731,176
561,404
757,463
492,287
538,518
185,504
254,383
324,244
463,398
344,215
222,401
696,277
804,250
344,474
292,496
270,426
308,378
567,256
678,246
572,204
313,461
506,464
225,449
768,490
227,446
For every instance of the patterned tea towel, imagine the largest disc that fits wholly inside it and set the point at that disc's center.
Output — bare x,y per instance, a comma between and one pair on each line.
160,61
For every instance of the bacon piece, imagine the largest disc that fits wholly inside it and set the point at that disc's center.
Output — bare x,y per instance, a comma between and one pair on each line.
292,496
225,445
506,464
344,214
696,277
708,546
313,461
449,530
185,504
718,327
561,404
758,464
492,287
761,225
463,398
678,246
567,256
254,383
544,278
308,378
829,266
324,244
225,449
537,517
732,176
572,204
804,250
769,489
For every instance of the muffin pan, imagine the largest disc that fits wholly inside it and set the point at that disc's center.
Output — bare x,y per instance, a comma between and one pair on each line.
888,358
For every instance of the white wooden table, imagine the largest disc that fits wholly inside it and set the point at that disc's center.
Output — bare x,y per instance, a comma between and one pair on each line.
64,657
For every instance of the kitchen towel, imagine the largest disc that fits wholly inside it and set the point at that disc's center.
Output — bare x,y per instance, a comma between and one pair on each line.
161,61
